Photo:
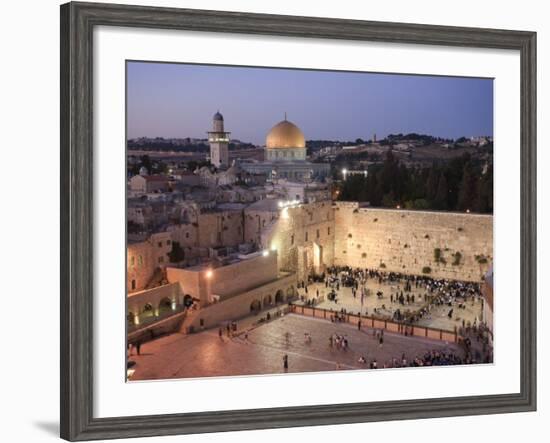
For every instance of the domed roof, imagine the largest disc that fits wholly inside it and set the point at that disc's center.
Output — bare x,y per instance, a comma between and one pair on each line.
218,116
285,134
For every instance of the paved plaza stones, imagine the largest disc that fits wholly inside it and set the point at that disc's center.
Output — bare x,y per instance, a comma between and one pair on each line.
261,351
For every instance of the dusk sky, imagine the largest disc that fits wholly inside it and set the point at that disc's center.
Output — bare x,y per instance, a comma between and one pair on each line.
179,100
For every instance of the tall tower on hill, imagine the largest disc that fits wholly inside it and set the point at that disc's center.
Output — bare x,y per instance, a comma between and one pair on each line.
219,143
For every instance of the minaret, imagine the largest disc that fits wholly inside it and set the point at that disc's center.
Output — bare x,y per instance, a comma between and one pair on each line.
219,143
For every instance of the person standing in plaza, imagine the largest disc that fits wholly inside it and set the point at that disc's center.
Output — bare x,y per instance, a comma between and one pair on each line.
285,362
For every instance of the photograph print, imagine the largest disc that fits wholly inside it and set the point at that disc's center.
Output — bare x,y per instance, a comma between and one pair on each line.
290,220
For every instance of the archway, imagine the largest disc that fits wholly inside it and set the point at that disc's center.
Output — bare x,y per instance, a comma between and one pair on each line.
187,301
130,318
147,312
290,292
165,306
255,306
279,296
267,300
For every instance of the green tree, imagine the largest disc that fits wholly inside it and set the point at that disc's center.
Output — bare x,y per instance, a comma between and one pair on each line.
440,200
432,184
467,195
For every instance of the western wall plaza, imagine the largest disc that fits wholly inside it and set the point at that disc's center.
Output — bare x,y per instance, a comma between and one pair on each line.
258,260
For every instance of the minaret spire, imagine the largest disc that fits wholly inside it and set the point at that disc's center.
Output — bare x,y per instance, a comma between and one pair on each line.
285,115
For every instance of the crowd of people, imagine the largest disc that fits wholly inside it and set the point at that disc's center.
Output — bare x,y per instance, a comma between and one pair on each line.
411,297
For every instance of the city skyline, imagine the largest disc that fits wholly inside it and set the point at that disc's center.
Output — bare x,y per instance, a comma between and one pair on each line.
178,100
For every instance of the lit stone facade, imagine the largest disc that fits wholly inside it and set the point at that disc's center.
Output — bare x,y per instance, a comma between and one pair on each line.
407,241
303,235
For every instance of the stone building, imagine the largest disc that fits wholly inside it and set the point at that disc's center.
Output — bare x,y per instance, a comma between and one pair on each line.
213,179
149,183
145,258
302,234
303,192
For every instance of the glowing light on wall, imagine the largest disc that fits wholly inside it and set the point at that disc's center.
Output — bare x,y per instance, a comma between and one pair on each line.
288,203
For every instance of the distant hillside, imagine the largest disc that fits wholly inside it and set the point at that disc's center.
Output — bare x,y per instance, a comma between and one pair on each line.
179,144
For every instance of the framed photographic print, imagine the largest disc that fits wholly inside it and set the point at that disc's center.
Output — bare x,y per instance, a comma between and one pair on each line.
292,221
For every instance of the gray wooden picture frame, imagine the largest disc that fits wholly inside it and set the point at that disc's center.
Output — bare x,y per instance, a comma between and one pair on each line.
77,23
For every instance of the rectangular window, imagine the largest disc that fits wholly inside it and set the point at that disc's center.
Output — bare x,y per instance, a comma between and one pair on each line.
328,230
292,239
318,234
140,260
133,284
160,244
132,261
161,259
306,236
168,242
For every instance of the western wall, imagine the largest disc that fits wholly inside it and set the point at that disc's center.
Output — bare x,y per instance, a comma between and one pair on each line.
440,244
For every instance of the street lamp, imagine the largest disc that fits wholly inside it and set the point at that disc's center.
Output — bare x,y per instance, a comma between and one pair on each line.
344,172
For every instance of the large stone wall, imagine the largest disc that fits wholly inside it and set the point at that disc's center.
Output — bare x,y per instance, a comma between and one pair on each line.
406,241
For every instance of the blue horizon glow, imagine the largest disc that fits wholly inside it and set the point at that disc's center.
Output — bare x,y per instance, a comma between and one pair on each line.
178,100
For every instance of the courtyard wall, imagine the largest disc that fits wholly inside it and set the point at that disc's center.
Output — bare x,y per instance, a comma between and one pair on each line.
261,297
407,241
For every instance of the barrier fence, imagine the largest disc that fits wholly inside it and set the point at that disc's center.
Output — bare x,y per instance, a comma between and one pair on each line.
366,321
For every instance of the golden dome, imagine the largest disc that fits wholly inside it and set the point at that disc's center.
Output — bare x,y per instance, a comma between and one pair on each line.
285,135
